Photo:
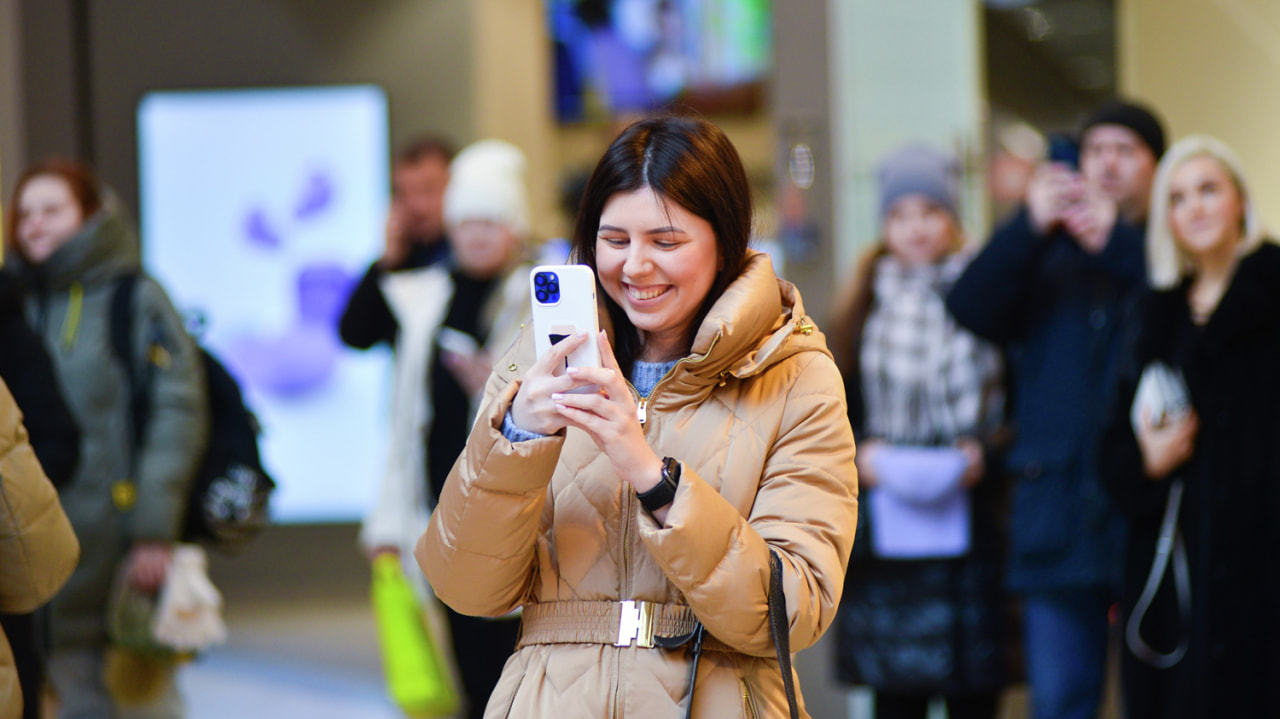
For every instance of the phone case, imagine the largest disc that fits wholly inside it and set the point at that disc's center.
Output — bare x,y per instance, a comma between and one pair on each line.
565,309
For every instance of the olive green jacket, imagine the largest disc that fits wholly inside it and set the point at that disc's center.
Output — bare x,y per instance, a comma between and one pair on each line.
70,306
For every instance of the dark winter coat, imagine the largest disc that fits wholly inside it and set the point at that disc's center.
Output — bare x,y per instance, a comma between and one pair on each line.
367,319
929,626
1054,308
1230,511
26,367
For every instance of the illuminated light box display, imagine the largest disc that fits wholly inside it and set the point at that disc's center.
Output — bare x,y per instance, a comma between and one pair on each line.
260,211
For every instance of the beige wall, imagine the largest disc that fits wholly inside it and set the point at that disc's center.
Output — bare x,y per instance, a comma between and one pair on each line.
1211,66
904,72
511,95
11,125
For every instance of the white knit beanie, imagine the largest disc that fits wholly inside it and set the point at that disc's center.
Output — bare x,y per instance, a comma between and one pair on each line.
486,182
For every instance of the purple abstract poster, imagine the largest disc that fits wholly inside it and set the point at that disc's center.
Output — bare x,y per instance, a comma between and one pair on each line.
260,209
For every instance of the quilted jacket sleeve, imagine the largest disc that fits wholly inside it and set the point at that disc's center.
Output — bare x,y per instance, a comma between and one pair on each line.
178,418
38,549
806,509
478,550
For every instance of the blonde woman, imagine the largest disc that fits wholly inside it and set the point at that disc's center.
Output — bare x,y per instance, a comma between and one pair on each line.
1204,638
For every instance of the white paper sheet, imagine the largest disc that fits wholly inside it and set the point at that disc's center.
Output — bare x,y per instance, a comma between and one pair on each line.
919,508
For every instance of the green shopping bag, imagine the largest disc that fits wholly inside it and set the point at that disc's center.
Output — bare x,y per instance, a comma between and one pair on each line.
418,674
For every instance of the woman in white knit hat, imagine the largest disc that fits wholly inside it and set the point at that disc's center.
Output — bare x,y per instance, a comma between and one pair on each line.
455,317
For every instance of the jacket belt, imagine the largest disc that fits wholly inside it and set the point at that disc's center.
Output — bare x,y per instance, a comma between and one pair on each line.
622,624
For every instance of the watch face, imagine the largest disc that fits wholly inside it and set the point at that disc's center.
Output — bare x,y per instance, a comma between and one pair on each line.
665,491
670,471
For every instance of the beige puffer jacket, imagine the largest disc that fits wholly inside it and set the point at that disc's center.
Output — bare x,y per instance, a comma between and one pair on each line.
756,415
38,548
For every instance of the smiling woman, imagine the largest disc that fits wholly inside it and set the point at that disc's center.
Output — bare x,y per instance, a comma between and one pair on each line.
657,261
72,246
624,530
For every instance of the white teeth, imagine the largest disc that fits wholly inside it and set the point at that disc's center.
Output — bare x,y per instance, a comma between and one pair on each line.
648,294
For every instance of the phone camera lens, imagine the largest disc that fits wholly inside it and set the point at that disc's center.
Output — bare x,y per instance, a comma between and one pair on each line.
541,295
540,279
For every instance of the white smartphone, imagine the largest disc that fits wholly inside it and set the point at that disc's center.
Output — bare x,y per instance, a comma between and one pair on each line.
564,304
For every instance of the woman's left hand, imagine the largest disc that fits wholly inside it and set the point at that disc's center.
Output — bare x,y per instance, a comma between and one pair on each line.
148,564
977,466
609,418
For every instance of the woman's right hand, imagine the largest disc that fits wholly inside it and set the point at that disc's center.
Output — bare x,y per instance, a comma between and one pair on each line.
865,460
1165,447
533,410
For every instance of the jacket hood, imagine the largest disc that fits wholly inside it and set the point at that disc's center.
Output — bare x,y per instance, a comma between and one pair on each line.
105,248
757,322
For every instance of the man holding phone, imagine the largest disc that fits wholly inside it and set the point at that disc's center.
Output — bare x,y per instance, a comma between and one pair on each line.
415,238
1050,287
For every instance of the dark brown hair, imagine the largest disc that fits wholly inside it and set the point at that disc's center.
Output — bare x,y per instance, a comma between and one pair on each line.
421,148
79,178
686,161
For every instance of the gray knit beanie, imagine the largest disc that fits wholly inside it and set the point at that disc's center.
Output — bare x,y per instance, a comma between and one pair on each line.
919,169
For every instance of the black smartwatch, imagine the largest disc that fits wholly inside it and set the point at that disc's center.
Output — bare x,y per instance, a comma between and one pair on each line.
664,492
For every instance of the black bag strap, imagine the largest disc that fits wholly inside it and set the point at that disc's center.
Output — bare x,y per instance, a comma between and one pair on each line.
1169,546
122,346
781,630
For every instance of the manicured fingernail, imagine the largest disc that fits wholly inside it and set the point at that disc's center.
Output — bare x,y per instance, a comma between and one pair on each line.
557,397
572,370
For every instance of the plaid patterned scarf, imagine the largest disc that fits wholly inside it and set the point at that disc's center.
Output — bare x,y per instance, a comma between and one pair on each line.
925,380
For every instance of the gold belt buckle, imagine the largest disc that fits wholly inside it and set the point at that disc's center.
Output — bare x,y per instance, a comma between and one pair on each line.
635,623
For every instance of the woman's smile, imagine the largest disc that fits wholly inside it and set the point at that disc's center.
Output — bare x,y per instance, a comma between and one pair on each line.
645,293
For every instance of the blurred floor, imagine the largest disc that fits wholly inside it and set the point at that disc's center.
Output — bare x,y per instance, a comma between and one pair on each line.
317,659
301,635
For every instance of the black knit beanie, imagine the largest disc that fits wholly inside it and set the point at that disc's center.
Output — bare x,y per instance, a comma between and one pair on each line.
1133,116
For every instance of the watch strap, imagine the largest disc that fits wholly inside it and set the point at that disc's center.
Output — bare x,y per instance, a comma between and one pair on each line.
664,492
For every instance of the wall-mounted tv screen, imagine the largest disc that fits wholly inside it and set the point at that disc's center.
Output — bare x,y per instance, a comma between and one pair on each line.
260,209
619,57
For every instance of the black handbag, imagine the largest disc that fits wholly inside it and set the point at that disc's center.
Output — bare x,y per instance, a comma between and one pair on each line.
778,627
